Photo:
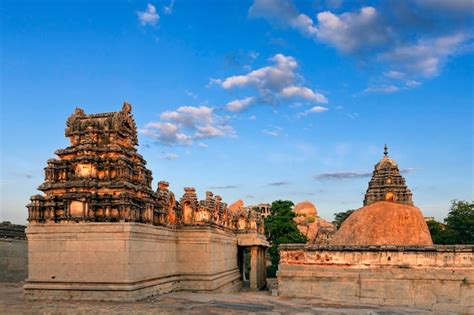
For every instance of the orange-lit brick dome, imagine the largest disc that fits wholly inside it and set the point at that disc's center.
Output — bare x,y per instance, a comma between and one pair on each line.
384,223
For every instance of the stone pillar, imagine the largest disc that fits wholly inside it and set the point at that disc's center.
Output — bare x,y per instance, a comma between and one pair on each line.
254,268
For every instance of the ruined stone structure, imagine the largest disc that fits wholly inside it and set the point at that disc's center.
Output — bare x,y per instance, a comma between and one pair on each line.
387,184
263,209
13,253
101,232
437,278
382,254
316,229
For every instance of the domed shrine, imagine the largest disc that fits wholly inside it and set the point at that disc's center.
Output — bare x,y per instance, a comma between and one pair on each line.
384,223
388,216
387,184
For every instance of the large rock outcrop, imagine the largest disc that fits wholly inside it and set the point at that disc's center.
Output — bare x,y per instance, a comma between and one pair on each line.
384,223
316,229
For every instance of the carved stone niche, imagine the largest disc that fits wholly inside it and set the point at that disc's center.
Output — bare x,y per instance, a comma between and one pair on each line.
77,208
85,170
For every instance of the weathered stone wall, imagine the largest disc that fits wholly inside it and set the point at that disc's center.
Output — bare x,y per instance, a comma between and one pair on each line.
13,260
128,261
13,253
438,278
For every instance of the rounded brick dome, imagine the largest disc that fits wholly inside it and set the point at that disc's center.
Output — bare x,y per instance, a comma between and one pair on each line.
384,223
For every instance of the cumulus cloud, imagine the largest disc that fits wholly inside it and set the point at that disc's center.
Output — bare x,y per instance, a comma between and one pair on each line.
275,83
240,105
417,38
149,16
353,32
304,93
186,124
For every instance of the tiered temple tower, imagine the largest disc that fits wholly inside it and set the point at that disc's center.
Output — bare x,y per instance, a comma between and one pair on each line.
387,184
100,176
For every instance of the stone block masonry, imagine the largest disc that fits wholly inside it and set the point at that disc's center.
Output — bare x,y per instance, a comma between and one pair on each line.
13,253
436,278
128,261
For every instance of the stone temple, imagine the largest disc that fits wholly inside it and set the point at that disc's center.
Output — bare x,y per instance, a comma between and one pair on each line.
387,183
100,232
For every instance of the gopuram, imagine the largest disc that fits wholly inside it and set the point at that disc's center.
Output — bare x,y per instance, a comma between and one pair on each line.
100,232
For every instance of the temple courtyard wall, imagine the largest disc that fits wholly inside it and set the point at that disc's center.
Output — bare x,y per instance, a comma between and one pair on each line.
128,261
13,253
436,278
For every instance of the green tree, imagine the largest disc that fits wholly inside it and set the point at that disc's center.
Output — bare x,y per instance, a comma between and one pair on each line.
458,227
461,220
280,229
340,217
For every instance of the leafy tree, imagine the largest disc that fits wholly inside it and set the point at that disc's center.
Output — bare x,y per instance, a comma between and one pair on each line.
279,229
341,217
461,219
458,227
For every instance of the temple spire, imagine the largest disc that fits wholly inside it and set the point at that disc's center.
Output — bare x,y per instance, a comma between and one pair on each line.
385,150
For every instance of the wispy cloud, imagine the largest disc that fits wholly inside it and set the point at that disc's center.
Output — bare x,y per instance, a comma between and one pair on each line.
315,109
169,156
223,187
341,175
273,133
280,183
352,175
168,9
149,16
382,89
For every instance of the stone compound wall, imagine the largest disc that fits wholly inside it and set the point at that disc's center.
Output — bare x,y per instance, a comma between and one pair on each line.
128,261
13,253
437,278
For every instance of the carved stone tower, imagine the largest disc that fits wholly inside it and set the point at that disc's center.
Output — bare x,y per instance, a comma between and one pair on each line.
99,177
387,184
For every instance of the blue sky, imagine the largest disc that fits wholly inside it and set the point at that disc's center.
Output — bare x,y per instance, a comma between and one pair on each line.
258,100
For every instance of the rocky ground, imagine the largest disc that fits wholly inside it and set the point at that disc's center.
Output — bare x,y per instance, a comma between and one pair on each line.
262,302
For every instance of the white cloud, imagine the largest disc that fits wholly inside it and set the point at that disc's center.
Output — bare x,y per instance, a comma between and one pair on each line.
283,13
202,145
315,109
149,16
168,9
274,83
186,124
352,32
412,83
417,39
304,93
240,104
273,133
252,117
392,74
426,56
382,89
169,156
